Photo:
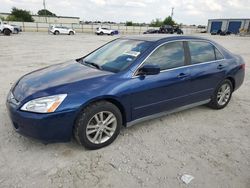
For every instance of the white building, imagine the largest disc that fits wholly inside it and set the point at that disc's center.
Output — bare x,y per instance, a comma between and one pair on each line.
232,25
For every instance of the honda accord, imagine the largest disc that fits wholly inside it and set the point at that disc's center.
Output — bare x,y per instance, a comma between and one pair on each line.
125,81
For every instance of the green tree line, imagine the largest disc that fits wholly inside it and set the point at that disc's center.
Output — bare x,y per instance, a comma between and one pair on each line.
155,23
25,15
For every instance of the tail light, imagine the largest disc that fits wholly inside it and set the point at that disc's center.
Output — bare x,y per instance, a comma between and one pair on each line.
243,66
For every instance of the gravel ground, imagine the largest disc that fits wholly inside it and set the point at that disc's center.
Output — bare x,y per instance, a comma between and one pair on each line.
213,146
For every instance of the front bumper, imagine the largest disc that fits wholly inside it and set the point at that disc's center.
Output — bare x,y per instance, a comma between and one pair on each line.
54,127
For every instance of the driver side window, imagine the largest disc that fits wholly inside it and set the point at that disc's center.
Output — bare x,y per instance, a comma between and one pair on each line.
168,56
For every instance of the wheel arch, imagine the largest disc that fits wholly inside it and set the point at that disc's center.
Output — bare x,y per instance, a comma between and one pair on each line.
7,29
232,80
110,99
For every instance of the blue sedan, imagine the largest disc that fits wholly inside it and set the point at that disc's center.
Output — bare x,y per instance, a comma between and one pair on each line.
126,81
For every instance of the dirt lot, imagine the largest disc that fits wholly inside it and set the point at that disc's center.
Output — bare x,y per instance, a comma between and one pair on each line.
213,146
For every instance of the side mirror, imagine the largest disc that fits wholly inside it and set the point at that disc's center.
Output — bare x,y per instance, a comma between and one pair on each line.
149,70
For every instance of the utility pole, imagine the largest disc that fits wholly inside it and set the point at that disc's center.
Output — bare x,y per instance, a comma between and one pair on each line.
172,13
45,11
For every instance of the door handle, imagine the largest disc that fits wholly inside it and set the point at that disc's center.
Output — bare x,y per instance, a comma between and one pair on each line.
182,75
220,66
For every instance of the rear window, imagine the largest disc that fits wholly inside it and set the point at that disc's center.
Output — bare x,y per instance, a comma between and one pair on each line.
201,52
218,55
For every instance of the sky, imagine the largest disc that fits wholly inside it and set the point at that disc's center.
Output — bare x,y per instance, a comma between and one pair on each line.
185,11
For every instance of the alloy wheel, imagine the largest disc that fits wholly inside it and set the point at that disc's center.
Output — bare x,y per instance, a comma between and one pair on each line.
223,94
101,127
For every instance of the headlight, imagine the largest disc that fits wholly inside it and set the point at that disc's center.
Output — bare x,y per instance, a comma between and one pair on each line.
45,104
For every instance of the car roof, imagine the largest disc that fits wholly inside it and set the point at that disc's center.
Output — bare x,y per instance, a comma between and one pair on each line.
162,37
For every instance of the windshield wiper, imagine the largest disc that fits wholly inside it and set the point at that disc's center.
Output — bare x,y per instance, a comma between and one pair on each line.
93,64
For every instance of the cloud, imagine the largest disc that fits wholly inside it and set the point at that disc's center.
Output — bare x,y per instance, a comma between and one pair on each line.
135,4
99,2
185,11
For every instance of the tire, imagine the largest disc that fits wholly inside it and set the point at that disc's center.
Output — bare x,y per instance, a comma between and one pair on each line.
222,101
89,118
7,32
112,33
101,33
56,32
16,31
71,33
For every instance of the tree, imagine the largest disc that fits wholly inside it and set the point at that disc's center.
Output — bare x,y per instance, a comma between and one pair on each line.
156,23
2,18
129,23
169,21
45,12
20,15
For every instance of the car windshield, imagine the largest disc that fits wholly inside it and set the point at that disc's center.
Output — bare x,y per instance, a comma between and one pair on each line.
116,55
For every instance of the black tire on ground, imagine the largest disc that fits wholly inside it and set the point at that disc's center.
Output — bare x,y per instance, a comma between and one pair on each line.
80,127
56,32
112,33
71,33
16,30
214,103
101,33
6,32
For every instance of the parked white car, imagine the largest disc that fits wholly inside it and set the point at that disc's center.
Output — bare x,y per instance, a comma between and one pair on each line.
56,30
6,29
102,31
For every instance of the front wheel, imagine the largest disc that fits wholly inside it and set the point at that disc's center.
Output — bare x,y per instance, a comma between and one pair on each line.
98,125
222,95
71,33
6,32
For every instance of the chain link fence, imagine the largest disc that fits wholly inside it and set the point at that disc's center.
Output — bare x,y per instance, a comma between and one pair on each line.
91,28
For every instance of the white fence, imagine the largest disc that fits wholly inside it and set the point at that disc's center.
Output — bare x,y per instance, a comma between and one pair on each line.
90,28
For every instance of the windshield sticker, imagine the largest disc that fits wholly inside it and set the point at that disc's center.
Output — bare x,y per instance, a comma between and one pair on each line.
132,53
129,59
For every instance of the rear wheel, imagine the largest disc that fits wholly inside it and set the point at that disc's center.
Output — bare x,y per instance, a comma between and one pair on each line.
56,32
222,95
101,33
71,33
16,30
98,125
112,33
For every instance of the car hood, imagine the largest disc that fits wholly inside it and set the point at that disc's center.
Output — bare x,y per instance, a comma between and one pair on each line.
54,79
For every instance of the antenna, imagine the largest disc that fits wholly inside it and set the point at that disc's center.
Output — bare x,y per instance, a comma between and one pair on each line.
45,11
172,13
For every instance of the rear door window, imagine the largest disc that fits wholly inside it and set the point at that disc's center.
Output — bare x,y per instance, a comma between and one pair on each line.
201,52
